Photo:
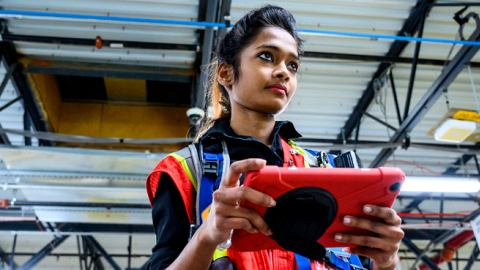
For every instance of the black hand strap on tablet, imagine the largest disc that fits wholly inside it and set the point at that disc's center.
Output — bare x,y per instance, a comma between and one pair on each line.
300,217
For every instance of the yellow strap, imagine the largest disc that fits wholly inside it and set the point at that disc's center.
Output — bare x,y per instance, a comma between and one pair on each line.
185,168
220,254
301,151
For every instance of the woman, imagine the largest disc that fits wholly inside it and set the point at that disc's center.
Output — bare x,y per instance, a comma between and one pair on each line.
255,80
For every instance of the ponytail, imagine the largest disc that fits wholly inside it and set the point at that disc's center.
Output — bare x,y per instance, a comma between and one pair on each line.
216,97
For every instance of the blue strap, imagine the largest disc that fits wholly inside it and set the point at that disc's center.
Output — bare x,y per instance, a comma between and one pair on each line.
303,263
339,263
331,158
355,260
313,152
207,182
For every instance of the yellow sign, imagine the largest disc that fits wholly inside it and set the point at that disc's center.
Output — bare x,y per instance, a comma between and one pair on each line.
467,115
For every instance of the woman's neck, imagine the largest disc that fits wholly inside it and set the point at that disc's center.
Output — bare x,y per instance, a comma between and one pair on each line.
255,124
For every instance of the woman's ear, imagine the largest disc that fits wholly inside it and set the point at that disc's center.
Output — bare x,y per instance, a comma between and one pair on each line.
225,75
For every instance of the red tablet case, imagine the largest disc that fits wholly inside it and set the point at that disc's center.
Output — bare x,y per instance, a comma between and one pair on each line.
352,189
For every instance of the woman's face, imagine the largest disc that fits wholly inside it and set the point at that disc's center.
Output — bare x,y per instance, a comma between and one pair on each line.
268,73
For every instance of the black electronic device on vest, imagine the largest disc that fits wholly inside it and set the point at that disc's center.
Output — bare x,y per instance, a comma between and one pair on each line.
348,160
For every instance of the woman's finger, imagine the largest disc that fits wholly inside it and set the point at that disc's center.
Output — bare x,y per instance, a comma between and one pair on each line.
361,240
387,214
389,231
229,211
239,167
386,245
231,223
233,195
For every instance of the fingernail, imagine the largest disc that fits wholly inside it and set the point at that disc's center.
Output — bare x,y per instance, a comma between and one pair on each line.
260,161
272,202
255,231
368,209
269,231
347,220
338,236
346,249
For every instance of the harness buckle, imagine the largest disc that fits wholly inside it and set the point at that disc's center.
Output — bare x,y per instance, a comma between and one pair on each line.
210,167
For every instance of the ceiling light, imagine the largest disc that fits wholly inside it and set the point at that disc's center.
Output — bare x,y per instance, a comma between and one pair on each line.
441,184
455,131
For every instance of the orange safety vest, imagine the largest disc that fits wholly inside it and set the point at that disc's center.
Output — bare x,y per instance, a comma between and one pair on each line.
177,167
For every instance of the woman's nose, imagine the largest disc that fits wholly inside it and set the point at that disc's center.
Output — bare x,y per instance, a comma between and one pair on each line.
281,72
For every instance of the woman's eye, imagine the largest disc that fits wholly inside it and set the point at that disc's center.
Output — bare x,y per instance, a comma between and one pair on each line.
294,67
266,56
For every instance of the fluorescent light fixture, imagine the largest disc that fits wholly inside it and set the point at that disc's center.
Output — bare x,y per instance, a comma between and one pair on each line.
441,184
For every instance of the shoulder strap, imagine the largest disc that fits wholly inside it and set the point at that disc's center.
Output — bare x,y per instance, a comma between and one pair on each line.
206,168
194,163
303,263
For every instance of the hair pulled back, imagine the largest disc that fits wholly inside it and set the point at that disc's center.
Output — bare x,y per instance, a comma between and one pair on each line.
231,46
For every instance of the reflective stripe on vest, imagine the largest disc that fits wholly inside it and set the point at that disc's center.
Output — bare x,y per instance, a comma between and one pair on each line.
185,168
300,150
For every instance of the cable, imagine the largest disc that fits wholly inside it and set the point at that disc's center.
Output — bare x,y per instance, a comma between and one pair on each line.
411,163
445,91
473,87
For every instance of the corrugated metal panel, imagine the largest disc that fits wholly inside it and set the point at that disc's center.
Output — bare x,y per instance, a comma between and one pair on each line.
108,30
384,17
165,58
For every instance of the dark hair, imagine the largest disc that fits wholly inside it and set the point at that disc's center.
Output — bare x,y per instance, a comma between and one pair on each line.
231,46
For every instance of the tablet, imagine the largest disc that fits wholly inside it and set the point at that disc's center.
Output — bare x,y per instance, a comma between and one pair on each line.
321,195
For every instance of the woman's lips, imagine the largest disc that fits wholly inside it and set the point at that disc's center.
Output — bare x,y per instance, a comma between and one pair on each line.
278,88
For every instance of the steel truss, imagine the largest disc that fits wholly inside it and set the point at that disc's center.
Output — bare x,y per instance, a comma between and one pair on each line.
409,28
465,54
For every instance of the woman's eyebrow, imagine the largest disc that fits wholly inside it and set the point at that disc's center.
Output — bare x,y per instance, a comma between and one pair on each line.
273,47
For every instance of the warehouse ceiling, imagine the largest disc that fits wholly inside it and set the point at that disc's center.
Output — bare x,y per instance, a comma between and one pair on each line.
105,86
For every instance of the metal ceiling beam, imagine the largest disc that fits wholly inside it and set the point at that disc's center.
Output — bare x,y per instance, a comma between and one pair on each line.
473,257
31,226
43,252
6,257
448,75
211,16
3,137
71,254
409,28
21,86
415,203
224,17
461,161
105,43
418,252
378,58
69,68
426,196
91,251
78,204
102,251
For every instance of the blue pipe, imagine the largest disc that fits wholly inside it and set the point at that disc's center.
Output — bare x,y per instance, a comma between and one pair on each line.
402,38
108,18
223,25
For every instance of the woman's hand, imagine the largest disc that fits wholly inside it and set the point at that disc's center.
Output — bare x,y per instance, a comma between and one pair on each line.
226,213
382,248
